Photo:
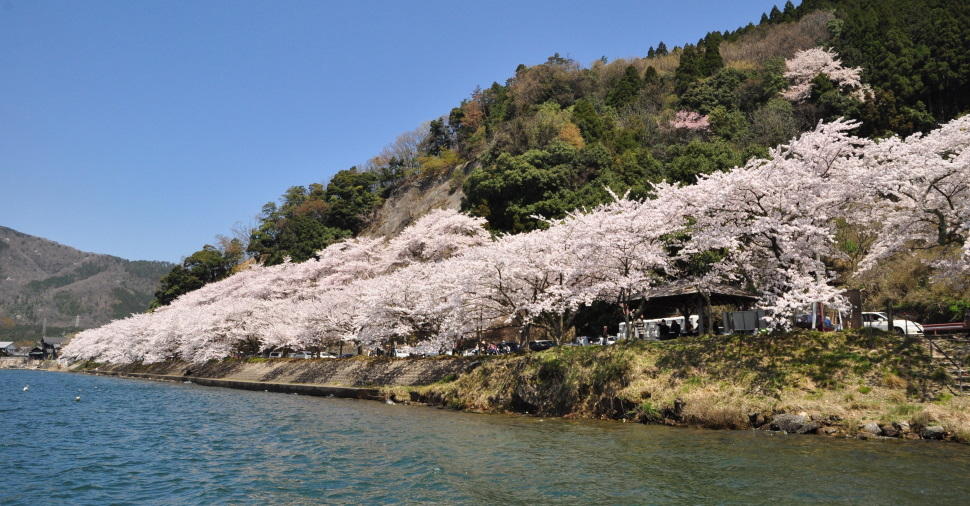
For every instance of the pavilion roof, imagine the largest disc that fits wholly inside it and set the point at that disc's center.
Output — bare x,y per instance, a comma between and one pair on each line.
683,292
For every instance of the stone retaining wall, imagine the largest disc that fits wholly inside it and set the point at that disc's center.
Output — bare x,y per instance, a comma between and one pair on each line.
353,372
287,388
13,362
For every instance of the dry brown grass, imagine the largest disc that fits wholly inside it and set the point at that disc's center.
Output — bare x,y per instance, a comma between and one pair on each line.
748,52
717,382
779,40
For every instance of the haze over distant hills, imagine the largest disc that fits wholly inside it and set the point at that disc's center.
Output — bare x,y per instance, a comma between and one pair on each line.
43,279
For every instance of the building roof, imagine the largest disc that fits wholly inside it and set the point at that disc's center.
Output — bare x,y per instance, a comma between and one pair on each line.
4,344
683,288
55,341
675,295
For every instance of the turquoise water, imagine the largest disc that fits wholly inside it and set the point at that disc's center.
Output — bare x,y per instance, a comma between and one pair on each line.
132,441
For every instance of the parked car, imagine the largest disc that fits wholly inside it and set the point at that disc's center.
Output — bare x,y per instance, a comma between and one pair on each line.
300,354
276,354
324,354
541,345
824,323
880,321
508,347
346,355
401,354
470,352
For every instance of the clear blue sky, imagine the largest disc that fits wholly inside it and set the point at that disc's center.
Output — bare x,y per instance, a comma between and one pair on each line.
143,128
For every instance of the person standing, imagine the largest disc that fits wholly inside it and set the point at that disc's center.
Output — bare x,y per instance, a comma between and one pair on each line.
675,329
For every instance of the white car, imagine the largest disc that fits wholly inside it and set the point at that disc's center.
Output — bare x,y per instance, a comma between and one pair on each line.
401,354
880,321
300,354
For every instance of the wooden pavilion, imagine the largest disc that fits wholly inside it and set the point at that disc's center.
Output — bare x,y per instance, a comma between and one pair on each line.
686,297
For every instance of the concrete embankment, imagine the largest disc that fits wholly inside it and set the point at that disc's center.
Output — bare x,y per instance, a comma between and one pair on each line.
360,378
286,388
24,363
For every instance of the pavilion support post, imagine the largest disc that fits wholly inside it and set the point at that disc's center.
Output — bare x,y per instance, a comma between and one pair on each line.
708,312
700,316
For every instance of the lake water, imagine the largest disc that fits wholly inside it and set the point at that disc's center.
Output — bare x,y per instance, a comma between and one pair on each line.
133,441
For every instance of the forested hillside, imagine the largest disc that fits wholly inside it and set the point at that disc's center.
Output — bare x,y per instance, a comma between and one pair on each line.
43,280
555,136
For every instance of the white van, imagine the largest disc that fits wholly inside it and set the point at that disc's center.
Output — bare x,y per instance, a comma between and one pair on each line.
878,320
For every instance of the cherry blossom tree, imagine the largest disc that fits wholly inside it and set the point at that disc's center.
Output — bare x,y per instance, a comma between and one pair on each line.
806,65
419,307
690,120
621,246
919,190
531,279
771,222
440,234
769,225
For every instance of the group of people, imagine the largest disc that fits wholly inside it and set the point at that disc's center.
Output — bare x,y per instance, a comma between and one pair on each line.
672,331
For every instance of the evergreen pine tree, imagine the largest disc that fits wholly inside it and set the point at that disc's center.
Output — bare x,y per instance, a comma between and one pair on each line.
711,62
626,88
775,16
438,138
689,68
789,13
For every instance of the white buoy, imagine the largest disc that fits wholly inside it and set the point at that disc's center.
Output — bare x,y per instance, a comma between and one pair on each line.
26,388
77,398
388,401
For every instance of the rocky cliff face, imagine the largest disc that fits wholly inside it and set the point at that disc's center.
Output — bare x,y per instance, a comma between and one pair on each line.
41,279
413,200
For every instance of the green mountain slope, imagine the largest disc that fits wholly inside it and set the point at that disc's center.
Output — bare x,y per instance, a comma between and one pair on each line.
43,280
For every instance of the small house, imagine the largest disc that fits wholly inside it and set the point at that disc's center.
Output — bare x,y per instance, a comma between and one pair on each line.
7,349
51,346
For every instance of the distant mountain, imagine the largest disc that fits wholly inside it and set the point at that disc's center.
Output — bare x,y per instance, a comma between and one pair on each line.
41,279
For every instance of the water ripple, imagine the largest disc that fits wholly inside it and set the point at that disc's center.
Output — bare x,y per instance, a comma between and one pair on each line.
143,442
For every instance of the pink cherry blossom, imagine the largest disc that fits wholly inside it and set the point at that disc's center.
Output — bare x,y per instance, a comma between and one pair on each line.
806,65
690,120
768,226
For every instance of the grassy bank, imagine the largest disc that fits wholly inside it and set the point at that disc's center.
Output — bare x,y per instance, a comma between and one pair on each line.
831,383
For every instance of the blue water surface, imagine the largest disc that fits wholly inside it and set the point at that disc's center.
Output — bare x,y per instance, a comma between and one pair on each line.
142,442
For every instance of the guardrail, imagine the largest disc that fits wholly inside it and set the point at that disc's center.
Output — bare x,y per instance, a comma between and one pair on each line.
945,328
